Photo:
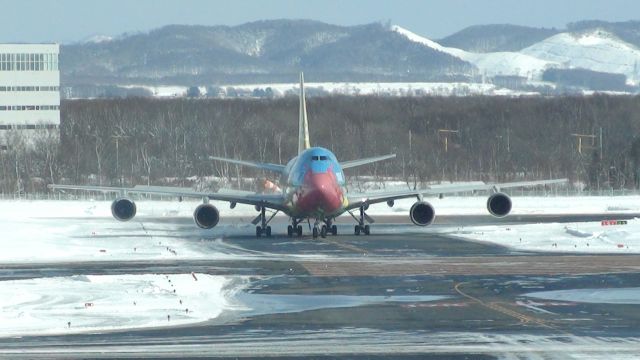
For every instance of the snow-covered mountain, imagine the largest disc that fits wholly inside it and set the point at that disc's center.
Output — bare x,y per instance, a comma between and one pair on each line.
604,57
489,64
596,50
263,51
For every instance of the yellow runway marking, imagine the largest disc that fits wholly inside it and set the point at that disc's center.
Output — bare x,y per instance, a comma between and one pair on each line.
505,311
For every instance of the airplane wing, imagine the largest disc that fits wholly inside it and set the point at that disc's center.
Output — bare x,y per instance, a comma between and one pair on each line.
354,163
258,165
357,200
271,201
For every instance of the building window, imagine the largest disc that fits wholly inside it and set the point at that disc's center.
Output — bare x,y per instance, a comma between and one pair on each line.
29,62
29,88
29,127
28,107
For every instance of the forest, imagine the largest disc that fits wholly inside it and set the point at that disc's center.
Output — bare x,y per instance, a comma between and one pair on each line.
592,140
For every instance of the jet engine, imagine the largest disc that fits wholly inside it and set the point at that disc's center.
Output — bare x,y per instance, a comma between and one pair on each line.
123,209
206,216
499,204
422,213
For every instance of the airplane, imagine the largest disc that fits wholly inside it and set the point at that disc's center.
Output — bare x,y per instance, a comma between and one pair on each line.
314,189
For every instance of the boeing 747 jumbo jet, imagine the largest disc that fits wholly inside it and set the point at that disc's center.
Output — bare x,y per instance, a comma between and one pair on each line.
314,190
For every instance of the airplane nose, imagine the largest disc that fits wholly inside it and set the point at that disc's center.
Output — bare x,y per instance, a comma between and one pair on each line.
328,195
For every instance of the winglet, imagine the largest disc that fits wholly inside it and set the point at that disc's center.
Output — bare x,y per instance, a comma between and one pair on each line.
303,125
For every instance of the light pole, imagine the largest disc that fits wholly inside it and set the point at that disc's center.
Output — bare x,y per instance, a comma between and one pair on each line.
117,140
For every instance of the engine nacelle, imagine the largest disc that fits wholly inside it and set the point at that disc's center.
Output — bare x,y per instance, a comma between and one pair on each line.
206,216
123,209
422,213
499,204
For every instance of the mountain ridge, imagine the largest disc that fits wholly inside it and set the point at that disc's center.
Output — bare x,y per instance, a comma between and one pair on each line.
271,51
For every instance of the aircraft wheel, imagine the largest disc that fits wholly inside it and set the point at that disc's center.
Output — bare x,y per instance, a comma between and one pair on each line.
323,231
357,230
367,230
289,231
299,230
334,230
268,231
315,232
258,231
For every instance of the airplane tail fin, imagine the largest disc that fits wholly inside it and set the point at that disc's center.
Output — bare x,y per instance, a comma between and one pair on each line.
303,124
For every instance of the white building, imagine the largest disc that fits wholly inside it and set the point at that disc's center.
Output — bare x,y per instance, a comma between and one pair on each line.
29,89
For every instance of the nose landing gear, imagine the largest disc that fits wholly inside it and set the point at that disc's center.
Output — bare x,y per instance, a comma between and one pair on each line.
294,228
326,229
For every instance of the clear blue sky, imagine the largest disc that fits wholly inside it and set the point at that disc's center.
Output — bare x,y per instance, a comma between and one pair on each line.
73,20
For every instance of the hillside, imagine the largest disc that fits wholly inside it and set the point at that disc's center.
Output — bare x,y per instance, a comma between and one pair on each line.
178,57
264,51
492,38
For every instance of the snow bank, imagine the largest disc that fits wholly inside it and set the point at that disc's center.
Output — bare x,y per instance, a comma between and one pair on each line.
62,231
585,237
109,302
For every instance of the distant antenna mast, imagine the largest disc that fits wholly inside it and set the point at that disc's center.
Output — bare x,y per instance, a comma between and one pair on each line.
445,133
582,146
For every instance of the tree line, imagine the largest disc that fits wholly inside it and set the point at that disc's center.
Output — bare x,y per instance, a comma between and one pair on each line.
167,141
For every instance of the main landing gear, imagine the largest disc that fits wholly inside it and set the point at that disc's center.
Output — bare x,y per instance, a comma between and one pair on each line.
263,228
362,227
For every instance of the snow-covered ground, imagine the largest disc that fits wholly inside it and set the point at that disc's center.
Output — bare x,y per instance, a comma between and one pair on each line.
594,296
17,210
586,237
525,205
582,237
74,304
355,88
98,303
55,231
49,231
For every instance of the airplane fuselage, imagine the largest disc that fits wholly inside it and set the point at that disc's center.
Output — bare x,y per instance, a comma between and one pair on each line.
314,185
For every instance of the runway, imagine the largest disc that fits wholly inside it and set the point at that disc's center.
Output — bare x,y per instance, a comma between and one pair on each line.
399,293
